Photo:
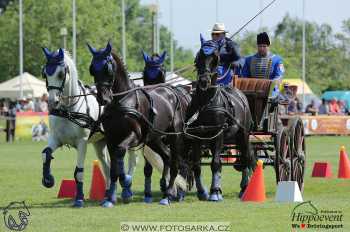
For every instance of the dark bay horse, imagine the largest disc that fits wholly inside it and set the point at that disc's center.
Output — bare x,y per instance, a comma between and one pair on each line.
134,116
218,109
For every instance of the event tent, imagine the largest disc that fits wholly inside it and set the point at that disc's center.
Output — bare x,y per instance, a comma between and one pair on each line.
32,87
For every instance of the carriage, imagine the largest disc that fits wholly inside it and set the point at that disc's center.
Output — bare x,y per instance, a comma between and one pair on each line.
275,139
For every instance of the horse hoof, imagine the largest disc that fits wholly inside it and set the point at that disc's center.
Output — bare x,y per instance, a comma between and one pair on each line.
78,204
181,195
127,195
215,197
48,181
107,204
113,201
148,200
164,201
203,196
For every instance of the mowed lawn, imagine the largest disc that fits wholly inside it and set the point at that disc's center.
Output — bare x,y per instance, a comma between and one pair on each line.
20,179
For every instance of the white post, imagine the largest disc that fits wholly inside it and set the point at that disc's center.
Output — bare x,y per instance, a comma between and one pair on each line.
74,33
158,29
123,32
63,33
217,11
21,48
303,65
171,38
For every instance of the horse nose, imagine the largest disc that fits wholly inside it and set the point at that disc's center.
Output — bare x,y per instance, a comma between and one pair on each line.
203,84
53,102
52,105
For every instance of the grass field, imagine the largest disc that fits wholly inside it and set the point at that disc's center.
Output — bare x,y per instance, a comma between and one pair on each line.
20,179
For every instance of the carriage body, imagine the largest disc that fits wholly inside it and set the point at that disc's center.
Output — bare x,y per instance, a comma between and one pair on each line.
275,140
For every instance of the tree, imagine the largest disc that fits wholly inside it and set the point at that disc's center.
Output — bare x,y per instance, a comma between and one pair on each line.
97,22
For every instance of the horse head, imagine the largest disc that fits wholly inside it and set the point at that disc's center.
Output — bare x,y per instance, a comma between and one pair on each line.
154,68
206,63
56,73
103,68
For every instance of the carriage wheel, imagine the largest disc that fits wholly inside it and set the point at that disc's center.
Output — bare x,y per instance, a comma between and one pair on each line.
298,154
282,157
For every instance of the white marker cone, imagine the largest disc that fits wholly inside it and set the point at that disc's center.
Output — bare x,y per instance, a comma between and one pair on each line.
288,191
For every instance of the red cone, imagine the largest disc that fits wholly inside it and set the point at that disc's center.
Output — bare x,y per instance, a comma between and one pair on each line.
98,183
344,165
322,169
67,189
256,188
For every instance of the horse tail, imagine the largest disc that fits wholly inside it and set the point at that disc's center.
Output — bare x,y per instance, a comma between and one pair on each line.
186,172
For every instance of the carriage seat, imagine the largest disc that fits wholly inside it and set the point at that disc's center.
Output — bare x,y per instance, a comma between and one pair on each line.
257,91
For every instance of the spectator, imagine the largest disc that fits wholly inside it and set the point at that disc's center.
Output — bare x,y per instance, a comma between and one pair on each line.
311,108
20,104
334,107
299,105
43,104
342,107
29,106
40,131
11,122
323,108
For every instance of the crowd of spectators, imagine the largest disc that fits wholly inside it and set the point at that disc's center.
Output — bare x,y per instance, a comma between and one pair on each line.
8,110
332,107
293,105
24,105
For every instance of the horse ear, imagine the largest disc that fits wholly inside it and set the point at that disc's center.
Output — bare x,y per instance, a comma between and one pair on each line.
108,49
162,57
91,49
47,53
145,56
60,54
202,39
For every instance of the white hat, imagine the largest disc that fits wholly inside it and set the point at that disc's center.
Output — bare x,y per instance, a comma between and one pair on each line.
219,28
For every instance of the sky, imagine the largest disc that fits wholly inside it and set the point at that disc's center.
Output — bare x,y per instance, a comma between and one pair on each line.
192,17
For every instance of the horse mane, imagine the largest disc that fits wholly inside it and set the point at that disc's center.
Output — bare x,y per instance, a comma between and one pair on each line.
122,72
72,68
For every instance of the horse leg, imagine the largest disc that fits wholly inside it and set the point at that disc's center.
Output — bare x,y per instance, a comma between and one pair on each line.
159,147
202,193
215,189
124,179
147,171
248,161
47,154
79,173
100,149
110,198
177,148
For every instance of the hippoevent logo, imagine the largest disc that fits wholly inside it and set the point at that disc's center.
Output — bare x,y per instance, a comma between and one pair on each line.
306,216
15,216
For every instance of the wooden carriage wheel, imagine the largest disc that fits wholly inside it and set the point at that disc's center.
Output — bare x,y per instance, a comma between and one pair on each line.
282,156
298,153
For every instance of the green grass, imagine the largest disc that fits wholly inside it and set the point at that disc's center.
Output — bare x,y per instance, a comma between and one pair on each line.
20,179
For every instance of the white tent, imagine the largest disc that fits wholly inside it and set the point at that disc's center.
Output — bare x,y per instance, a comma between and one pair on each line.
32,87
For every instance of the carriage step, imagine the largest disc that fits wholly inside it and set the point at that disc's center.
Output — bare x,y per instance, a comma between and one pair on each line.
260,138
